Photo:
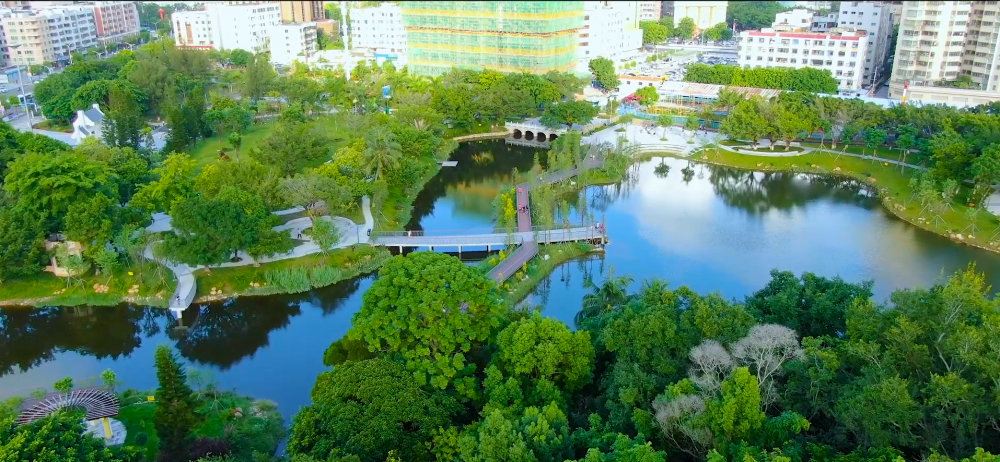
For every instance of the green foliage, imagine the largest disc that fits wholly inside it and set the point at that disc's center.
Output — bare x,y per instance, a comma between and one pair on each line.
604,72
430,310
175,406
368,408
653,32
647,96
685,29
53,184
805,79
22,242
540,348
753,15
569,113
57,438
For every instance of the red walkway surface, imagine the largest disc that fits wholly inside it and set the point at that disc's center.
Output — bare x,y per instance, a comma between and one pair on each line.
529,249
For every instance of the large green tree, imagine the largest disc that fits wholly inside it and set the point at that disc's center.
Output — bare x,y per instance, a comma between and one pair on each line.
22,242
175,416
54,183
58,438
544,349
432,311
604,72
367,409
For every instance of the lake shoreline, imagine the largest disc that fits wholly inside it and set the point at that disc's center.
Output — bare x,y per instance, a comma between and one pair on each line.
887,203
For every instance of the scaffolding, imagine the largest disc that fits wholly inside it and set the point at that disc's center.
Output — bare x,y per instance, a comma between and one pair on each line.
506,36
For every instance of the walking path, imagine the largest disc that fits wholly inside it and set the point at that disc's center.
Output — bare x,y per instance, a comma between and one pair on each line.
350,234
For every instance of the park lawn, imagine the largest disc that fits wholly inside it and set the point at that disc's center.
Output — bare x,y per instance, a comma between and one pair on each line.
155,282
474,129
207,150
893,185
397,207
235,281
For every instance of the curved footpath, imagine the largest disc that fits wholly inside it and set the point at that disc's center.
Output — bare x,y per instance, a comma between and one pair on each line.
351,234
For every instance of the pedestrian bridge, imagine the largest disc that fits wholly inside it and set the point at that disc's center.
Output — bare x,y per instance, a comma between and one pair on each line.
489,239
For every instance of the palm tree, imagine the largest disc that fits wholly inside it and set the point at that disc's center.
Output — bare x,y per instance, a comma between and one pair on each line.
382,152
609,296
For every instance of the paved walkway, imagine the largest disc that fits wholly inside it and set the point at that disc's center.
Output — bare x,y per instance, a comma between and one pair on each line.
350,234
763,151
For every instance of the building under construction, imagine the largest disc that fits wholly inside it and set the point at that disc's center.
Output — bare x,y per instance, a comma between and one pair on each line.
535,37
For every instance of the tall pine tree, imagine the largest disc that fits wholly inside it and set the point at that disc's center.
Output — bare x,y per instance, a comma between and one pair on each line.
175,418
123,122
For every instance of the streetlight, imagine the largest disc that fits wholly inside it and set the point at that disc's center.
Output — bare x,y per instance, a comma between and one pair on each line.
24,98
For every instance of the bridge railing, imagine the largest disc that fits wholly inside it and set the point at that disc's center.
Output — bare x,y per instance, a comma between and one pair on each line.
473,231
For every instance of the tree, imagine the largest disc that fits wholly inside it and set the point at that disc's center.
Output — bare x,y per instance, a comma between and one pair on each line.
382,152
123,122
211,231
240,58
685,29
308,190
647,96
175,417
431,310
225,121
737,413
53,183
22,242
986,171
720,31
604,72
93,221
326,235
753,15
258,78
692,123
540,348
874,138
60,437
653,32
369,408
291,146
175,182
745,122
569,113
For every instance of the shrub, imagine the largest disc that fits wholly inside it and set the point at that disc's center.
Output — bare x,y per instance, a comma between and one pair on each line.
205,447
321,276
289,280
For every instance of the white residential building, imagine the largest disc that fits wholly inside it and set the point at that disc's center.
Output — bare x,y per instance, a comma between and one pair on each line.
932,45
649,11
610,30
292,42
841,52
705,14
88,122
875,18
379,28
824,22
226,27
37,36
797,19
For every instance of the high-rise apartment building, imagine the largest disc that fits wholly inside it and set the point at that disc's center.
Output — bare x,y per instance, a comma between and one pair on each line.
302,11
941,40
704,14
875,18
650,11
507,36
610,30
115,21
378,28
49,35
292,42
226,27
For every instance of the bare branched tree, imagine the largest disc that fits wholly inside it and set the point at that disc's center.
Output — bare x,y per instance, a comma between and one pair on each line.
710,365
765,349
677,418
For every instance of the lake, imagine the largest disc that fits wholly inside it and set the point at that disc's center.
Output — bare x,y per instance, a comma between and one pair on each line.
711,228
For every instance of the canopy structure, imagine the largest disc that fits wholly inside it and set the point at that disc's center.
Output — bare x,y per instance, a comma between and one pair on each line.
97,402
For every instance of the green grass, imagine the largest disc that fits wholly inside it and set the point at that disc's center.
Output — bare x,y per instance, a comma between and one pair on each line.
207,150
475,128
138,419
777,148
237,281
155,282
54,126
882,151
893,186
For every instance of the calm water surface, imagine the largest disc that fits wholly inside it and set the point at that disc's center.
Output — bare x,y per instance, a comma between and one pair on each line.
712,229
